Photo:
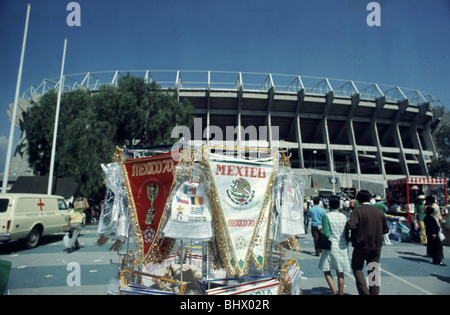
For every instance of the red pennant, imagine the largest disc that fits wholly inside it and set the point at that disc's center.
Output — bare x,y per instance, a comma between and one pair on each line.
149,181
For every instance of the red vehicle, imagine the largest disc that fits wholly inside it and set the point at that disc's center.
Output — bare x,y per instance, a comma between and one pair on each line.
404,191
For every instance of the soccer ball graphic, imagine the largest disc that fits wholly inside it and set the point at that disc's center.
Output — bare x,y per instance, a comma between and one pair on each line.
241,243
149,235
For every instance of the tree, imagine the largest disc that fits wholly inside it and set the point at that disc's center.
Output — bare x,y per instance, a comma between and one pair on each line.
145,113
92,124
440,166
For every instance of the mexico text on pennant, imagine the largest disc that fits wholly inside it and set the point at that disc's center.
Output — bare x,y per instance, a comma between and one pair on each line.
149,181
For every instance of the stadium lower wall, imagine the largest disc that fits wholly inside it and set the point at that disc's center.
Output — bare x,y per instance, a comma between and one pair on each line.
322,132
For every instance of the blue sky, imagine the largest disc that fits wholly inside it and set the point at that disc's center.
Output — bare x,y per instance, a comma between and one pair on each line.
322,38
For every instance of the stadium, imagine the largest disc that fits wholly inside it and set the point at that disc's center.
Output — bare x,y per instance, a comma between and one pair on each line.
357,133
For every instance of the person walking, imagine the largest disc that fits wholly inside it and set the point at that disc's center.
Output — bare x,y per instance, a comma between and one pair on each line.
434,244
76,217
430,201
367,225
381,205
316,214
305,214
420,216
334,228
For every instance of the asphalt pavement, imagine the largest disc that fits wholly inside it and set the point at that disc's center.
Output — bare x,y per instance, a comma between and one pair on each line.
404,270
93,270
49,270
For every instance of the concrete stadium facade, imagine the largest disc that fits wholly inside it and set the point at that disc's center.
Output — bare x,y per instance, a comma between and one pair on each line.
348,127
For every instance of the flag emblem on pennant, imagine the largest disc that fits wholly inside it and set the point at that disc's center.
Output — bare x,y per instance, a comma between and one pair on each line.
187,189
197,200
196,210
179,200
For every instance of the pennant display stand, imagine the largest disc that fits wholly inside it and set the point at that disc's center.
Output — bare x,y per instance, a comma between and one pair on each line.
218,225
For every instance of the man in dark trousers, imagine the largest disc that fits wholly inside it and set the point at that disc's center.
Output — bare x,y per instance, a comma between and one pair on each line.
434,244
367,225
316,214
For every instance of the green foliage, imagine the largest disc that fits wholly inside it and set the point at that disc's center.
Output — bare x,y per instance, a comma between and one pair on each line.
93,124
440,167
39,128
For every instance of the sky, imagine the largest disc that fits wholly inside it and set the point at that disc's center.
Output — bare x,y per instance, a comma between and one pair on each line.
321,38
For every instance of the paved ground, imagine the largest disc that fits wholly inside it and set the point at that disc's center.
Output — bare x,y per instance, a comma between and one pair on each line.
44,270
405,270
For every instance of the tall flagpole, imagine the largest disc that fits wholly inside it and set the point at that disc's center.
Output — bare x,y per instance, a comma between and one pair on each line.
55,130
16,100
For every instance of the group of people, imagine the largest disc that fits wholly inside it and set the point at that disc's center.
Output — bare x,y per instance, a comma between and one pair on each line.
366,228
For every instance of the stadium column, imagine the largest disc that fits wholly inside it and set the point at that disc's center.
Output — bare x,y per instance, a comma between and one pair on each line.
402,106
271,94
416,140
355,98
329,97
394,132
239,113
178,85
300,99
208,112
380,102
428,139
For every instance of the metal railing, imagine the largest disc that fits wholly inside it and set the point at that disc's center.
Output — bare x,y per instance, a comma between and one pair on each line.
231,80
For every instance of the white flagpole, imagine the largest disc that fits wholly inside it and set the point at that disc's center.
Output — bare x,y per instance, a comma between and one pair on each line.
55,131
16,100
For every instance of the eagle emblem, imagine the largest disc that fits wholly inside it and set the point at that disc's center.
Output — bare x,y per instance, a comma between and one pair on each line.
240,192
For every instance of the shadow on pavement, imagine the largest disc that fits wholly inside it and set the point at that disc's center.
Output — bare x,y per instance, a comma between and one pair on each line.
18,246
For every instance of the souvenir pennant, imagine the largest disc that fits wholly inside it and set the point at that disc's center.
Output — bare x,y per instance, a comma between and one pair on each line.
114,220
288,199
190,218
268,286
149,181
290,278
241,217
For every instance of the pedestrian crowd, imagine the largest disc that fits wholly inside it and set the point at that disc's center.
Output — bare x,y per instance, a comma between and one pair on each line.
362,222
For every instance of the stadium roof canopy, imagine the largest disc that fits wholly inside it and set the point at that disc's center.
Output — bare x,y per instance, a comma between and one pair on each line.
325,123
188,79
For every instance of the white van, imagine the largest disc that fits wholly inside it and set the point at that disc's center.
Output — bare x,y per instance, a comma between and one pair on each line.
27,217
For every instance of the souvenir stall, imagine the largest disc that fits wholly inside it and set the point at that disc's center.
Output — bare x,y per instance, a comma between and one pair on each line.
202,222
402,194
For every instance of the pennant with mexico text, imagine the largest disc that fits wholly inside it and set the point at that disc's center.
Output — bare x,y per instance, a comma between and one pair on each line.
241,218
149,181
